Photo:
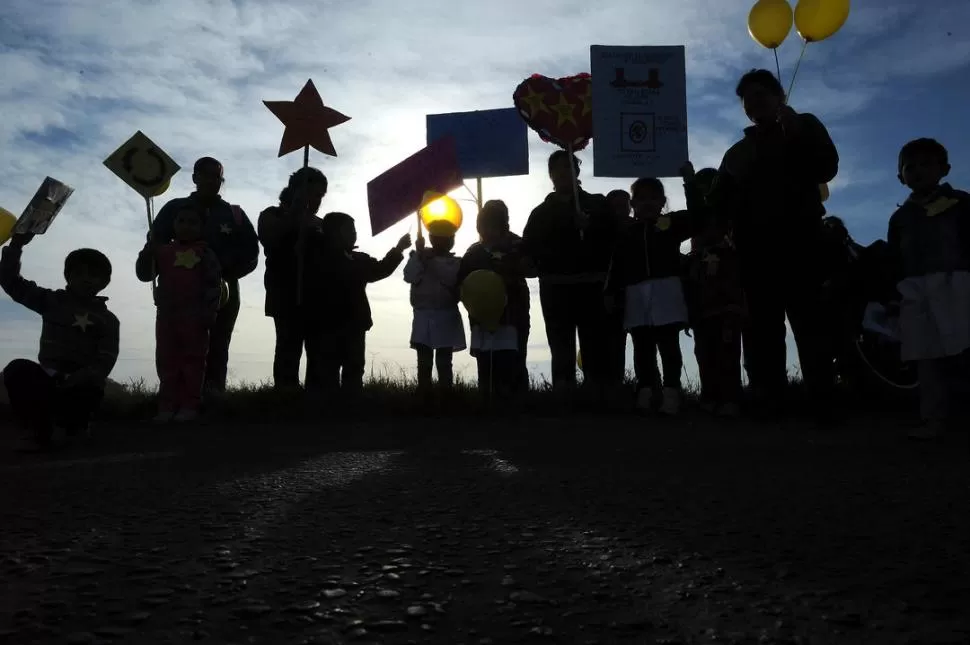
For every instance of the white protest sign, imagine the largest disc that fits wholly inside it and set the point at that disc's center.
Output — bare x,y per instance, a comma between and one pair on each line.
639,111
44,207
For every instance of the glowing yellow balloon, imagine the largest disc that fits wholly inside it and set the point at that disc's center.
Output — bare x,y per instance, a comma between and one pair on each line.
483,294
161,189
823,190
440,214
769,22
817,20
7,221
579,359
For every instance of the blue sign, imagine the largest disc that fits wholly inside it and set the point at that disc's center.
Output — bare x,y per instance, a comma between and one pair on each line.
490,143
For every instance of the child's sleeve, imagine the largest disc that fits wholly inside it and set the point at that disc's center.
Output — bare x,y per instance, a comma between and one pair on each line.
243,245
815,154
146,266
108,346
447,272
212,280
377,270
414,269
22,291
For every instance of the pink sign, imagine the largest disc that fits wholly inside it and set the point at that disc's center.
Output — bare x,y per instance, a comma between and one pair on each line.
398,192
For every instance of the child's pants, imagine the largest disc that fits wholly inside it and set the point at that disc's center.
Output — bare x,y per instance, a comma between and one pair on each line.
717,347
427,359
39,404
181,344
499,373
944,388
571,309
647,341
293,333
341,361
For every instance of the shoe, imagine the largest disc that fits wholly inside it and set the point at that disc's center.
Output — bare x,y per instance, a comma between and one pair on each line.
929,431
645,398
165,415
709,407
728,411
671,402
186,416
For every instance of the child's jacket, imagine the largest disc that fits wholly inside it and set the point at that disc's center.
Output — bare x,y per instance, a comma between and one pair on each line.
340,292
77,333
433,279
189,278
649,250
508,261
562,252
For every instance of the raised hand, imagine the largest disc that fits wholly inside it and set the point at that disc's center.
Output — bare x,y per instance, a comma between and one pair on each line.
20,240
687,171
404,242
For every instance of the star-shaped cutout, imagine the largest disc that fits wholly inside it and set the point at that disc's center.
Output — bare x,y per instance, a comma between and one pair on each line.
564,109
83,321
187,259
940,205
663,222
307,121
535,102
225,229
587,100
711,261
498,255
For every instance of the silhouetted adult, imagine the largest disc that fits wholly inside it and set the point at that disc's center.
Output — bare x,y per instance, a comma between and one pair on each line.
768,185
571,248
230,234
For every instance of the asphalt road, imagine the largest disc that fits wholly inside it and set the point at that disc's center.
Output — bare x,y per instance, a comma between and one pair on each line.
489,531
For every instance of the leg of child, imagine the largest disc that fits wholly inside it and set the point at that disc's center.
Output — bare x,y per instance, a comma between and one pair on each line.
425,366
729,366
443,363
352,375
505,373
595,340
328,360
314,340
167,365
31,393
289,347
706,346
645,365
76,406
484,360
195,346
668,344
559,311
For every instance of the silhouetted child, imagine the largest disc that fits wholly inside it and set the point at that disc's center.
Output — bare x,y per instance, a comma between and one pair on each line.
437,330
645,272
502,354
929,239
343,279
619,201
714,297
187,302
78,344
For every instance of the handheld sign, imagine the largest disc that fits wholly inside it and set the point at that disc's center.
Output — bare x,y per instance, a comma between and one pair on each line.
142,165
43,208
489,143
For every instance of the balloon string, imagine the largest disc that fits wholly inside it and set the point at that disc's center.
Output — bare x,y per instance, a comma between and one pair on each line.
777,64
798,64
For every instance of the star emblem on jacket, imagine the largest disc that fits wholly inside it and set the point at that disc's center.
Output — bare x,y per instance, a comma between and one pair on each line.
940,205
187,259
225,229
83,321
663,222
710,261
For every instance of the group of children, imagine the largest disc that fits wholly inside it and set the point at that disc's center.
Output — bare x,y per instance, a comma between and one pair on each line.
602,275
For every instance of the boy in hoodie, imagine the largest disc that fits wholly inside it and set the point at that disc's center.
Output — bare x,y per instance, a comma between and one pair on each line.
229,233
345,314
78,344
187,301
570,245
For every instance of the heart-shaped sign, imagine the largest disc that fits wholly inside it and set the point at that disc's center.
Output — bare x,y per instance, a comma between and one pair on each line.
559,109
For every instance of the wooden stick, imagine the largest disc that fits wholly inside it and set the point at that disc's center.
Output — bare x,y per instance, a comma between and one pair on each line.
301,236
151,239
575,180
478,196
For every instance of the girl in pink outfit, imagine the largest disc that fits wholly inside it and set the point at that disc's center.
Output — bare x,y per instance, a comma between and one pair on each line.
187,301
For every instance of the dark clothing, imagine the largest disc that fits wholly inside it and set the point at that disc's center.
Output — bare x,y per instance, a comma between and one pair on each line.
713,283
499,374
220,335
717,348
647,341
292,335
342,362
340,288
39,403
77,333
557,246
189,278
931,235
568,309
505,259
649,250
181,344
226,230
279,235
429,358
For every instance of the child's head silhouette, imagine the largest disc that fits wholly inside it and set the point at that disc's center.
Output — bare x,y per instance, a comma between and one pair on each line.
923,163
340,231
705,178
619,201
87,272
442,244
648,197
310,179
188,225
493,221
762,96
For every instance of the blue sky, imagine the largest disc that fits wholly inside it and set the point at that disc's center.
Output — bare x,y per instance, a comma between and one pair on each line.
80,76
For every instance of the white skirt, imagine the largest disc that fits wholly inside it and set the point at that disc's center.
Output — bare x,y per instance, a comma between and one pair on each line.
654,303
504,338
438,329
934,315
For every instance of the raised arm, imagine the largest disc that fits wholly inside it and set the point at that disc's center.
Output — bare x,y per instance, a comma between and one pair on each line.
414,269
813,152
21,291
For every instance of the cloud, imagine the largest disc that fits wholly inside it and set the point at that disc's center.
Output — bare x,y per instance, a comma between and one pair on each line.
80,76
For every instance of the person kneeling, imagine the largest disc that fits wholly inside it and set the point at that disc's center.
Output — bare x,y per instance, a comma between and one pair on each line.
78,345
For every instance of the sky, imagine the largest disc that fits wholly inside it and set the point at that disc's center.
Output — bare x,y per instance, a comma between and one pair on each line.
81,76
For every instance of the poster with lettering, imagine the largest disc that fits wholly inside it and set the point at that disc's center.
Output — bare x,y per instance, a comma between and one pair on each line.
639,111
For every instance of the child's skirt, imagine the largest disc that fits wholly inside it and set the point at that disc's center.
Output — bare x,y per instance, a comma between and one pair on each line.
934,315
655,303
505,338
438,329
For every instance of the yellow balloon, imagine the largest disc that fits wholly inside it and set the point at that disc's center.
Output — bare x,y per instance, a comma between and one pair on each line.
440,214
7,221
823,190
769,22
579,359
817,20
483,294
161,189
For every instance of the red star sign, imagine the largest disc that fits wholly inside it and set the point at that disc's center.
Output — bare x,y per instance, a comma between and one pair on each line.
307,121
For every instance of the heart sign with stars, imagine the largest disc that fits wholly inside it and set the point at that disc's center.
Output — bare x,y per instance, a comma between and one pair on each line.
559,109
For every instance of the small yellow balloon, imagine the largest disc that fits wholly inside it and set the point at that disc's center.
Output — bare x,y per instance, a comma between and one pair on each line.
7,221
769,22
161,189
440,214
484,297
579,359
817,20
823,190
223,294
